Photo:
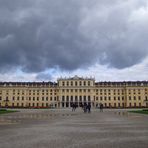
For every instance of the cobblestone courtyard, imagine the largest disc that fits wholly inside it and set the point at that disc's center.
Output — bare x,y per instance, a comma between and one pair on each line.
66,129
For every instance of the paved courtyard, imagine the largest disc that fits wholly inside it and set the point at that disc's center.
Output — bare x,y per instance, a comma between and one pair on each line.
66,129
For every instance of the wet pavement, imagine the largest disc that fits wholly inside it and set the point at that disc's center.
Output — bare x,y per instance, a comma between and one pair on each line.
66,129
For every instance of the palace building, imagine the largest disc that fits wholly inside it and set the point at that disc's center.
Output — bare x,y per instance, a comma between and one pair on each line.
77,90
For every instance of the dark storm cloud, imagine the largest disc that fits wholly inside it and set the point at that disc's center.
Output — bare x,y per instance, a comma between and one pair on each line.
40,34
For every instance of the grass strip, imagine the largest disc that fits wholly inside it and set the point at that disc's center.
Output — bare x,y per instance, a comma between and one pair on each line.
140,111
4,111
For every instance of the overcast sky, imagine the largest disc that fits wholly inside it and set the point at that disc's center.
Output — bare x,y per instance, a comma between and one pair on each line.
41,40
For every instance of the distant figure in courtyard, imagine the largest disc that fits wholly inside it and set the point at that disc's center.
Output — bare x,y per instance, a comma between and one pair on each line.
85,107
101,107
82,106
73,107
89,108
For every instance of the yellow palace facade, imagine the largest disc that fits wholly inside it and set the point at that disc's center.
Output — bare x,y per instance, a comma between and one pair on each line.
77,90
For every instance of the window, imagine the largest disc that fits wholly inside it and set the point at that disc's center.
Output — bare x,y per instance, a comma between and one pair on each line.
80,98
105,98
63,98
84,98
122,98
76,83
80,83
67,98
57,98
71,83
63,84
71,98
76,98
109,98
89,98
129,91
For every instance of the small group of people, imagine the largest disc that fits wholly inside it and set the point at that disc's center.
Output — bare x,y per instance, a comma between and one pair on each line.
74,106
101,107
86,108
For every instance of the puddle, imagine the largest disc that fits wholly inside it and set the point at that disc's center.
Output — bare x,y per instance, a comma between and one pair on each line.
122,113
19,118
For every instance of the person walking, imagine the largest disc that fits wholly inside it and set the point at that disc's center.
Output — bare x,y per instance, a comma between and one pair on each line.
89,108
85,107
101,107
73,107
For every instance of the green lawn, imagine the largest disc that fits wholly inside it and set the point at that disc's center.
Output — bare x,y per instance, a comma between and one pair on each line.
4,111
145,111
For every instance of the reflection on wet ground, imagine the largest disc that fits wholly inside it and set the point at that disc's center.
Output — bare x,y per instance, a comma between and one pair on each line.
67,129
128,114
122,113
21,117
11,119
17,118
